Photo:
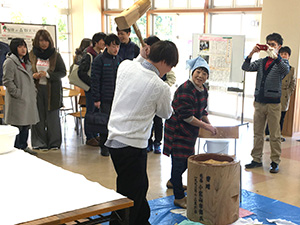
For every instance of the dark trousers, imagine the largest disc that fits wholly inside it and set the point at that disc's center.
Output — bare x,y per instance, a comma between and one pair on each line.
179,166
132,181
267,132
90,107
47,132
105,108
22,137
157,129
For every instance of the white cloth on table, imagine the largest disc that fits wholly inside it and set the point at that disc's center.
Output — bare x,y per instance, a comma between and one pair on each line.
31,188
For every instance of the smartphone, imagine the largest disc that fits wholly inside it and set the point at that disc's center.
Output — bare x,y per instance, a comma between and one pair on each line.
262,47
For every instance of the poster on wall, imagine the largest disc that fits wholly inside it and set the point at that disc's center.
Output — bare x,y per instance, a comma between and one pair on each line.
223,53
9,31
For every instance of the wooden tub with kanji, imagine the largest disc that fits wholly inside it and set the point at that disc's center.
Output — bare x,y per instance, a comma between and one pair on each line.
213,189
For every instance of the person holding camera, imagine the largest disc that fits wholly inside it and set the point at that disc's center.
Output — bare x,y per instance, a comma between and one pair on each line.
270,72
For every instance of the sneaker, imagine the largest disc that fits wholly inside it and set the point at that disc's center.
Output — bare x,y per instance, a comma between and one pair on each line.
54,148
253,164
30,151
268,138
274,167
282,139
180,202
157,149
104,151
149,148
170,185
92,142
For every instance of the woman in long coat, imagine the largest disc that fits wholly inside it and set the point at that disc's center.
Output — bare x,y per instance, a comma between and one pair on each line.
48,68
20,98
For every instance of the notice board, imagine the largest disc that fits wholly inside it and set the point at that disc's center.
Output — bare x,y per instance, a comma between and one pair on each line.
223,53
26,31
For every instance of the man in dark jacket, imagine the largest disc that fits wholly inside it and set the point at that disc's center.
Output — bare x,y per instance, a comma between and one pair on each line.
84,73
128,49
103,80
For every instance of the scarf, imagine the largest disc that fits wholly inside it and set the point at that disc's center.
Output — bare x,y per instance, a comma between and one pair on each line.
43,54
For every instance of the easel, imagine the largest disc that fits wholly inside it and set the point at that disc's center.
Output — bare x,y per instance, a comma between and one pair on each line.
233,89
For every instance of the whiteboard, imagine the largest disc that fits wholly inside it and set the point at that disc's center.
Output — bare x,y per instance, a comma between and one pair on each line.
26,31
224,54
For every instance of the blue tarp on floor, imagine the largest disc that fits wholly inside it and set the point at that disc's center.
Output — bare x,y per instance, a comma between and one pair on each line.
262,207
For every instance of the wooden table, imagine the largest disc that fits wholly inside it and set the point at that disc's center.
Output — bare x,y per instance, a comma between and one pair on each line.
35,192
62,218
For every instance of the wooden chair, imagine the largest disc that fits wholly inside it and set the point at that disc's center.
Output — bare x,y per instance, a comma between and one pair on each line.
79,116
2,94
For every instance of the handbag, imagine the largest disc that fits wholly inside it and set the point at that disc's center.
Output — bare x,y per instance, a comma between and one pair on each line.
96,122
74,78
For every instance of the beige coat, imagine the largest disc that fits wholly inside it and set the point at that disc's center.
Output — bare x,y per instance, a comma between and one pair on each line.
287,88
20,97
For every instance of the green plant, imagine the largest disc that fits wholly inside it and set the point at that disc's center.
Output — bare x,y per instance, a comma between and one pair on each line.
62,30
17,17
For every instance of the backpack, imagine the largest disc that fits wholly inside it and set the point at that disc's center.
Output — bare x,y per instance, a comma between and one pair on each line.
74,78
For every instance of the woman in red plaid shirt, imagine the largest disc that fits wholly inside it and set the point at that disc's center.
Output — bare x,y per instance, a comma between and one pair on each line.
181,130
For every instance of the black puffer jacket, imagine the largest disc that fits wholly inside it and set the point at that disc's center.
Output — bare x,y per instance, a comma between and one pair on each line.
85,63
103,77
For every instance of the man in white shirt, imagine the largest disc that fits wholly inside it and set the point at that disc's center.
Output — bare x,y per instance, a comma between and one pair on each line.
140,94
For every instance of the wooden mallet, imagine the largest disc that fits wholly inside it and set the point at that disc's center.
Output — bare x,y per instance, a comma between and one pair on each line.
129,16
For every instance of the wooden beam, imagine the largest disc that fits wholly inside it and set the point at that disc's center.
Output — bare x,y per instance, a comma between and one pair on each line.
102,16
222,132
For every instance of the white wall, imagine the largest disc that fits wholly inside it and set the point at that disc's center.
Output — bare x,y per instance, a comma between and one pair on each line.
283,17
86,20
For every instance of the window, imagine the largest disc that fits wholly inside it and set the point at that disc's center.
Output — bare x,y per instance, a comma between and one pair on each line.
240,24
226,23
127,3
197,3
112,4
161,4
52,12
176,28
236,3
222,3
179,3
179,24
245,2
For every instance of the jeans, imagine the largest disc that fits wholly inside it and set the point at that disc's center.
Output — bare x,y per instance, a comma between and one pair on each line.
22,137
179,166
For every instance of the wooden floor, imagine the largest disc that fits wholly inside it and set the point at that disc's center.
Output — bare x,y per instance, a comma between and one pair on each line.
86,160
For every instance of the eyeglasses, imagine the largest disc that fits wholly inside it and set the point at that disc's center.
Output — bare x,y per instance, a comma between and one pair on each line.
272,44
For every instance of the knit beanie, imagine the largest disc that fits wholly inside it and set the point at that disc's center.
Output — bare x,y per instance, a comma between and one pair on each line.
195,63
